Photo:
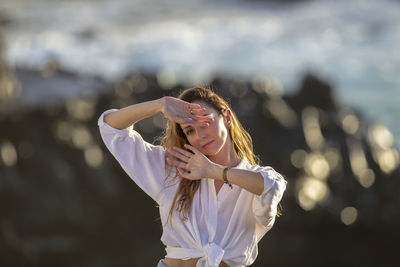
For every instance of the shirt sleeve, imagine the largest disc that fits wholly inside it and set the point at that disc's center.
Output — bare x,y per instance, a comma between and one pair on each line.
142,161
265,205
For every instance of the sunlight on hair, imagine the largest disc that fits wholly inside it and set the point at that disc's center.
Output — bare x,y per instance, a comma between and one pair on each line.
81,137
8,153
310,192
349,121
317,166
284,114
312,128
349,215
93,156
298,157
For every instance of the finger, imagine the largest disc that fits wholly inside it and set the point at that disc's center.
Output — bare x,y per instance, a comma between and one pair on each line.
203,118
177,163
194,106
182,156
191,148
193,122
183,173
183,120
183,151
197,111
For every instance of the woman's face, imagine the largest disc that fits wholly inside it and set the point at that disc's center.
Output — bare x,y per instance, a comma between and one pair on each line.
209,140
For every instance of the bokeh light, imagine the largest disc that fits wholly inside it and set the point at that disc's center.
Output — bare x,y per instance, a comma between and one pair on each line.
166,78
298,157
281,112
348,121
383,149
64,131
364,175
8,153
312,128
81,109
81,137
317,166
269,85
348,215
311,191
93,156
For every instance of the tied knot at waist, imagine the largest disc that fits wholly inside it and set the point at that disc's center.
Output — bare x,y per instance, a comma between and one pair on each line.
213,254
210,254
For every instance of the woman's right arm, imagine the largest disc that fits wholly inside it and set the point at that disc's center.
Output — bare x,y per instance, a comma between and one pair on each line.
142,161
173,109
125,117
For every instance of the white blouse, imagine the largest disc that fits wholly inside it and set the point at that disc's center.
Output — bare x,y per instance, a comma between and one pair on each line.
221,227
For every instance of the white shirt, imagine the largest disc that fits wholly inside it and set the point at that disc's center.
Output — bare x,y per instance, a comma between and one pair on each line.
221,227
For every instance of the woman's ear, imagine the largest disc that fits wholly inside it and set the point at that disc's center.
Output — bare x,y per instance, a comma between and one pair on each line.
228,117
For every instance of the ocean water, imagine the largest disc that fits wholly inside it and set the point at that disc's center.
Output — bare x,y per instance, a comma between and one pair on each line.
354,44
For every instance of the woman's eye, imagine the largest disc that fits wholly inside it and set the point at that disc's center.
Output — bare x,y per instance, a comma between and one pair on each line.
189,132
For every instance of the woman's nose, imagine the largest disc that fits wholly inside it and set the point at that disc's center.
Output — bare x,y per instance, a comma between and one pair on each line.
201,134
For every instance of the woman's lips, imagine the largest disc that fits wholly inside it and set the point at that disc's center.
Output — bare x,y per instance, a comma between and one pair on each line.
204,146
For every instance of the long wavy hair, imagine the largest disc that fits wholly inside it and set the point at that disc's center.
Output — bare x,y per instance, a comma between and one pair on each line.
174,136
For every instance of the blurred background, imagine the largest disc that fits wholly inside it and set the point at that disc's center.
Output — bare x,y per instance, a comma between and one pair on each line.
315,82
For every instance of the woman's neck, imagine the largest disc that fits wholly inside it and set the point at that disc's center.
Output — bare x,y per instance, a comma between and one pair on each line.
226,157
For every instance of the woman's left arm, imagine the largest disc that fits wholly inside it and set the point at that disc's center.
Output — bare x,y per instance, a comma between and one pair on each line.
252,181
194,165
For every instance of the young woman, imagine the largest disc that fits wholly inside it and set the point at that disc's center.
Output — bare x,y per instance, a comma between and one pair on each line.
215,202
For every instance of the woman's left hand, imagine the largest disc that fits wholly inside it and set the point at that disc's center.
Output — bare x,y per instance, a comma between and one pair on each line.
192,165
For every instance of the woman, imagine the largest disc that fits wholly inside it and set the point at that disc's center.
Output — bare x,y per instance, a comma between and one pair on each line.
215,202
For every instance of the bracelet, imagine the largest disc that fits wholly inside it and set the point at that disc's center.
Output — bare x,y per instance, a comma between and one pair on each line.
225,178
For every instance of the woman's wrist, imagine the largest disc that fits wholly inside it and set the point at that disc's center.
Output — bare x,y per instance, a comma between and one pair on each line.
161,104
215,172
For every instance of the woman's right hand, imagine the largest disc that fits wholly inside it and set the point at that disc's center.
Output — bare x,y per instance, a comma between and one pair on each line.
182,112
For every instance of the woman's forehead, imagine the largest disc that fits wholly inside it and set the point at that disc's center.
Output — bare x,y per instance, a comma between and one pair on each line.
207,106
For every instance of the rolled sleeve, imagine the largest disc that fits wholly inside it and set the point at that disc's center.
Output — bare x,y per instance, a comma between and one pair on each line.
265,206
142,161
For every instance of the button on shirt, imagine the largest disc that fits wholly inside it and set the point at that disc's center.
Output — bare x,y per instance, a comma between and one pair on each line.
220,227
